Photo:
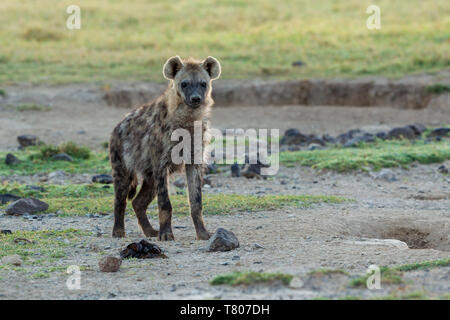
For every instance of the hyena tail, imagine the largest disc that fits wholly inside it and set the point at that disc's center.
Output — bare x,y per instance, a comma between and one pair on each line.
133,187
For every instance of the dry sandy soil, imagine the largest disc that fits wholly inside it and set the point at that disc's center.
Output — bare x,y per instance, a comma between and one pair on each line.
296,241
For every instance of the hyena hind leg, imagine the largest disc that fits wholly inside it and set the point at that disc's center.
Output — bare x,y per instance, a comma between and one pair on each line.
122,184
140,205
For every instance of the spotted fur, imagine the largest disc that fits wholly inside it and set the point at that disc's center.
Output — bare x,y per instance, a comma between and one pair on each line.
141,147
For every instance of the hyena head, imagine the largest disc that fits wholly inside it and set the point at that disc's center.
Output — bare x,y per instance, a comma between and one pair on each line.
192,79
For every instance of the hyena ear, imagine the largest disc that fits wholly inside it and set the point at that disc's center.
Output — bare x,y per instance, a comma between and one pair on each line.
171,67
212,66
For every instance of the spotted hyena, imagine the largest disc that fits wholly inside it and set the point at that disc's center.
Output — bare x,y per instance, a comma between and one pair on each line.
141,146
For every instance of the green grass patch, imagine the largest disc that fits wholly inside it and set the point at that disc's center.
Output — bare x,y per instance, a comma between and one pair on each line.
82,199
393,275
130,40
251,278
377,155
2,93
36,160
325,272
438,88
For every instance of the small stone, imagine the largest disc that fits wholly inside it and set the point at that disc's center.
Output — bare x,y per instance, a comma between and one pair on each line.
401,133
28,205
222,240
440,132
235,258
11,159
6,231
315,146
7,197
180,183
258,246
235,170
62,157
443,169
102,178
27,140
387,175
13,259
109,264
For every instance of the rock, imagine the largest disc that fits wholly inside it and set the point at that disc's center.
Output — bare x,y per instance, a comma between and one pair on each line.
62,157
27,205
440,132
443,169
401,133
13,259
180,183
328,139
344,137
102,178
418,128
222,240
316,140
7,197
27,140
387,175
293,137
355,141
235,170
298,63
109,264
381,135
211,169
380,242
6,231
34,188
315,146
11,159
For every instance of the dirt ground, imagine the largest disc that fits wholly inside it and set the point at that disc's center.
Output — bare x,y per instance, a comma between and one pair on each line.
293,240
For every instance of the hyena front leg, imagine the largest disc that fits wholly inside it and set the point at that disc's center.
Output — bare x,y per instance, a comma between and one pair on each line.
165,209
194,180
140,205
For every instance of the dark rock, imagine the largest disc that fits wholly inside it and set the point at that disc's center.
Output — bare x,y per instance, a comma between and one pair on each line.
6,231
328,139
344,137
293,137
354,142
443,169
439,132
62,157
298,63
316,140
142,250
401,133
11,159
315,146
7,197
27,140
222,240
102,178
418,128
235,170
180,183
28,205
109,264
211,169
35,188
381,135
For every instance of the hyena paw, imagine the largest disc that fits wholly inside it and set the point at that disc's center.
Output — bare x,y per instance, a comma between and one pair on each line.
166,236
118,233
150,232
204,235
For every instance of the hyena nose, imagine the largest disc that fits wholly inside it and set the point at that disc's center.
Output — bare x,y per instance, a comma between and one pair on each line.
195,99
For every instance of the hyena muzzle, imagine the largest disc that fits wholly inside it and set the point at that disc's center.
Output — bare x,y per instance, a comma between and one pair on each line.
141,147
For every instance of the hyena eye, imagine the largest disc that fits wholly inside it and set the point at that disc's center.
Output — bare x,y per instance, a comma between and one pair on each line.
203,84
184,84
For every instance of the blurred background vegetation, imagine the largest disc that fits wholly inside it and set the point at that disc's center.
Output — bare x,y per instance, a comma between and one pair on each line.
130,40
